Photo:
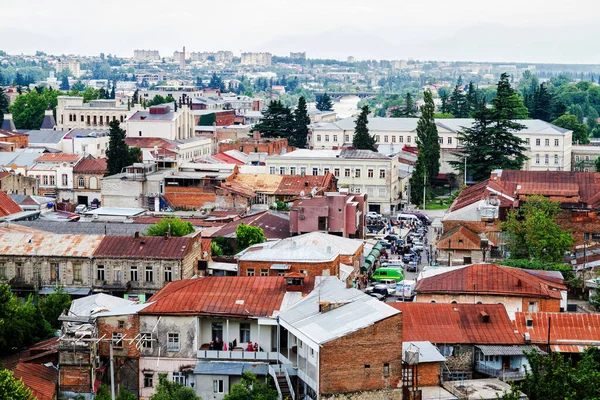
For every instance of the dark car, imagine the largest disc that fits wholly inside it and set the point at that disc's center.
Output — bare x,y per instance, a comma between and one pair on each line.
377,296
392,238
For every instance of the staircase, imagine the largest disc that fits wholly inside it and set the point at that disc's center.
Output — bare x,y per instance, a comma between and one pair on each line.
283,386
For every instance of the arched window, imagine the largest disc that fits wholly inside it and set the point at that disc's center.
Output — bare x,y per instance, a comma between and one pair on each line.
433,301
93,182
81,181
454,302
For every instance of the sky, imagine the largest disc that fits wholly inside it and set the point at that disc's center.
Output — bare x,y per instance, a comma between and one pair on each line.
535,31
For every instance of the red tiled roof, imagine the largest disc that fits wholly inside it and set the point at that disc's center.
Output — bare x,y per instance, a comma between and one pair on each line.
490,279
565,328
8,205
246,296
91,165
275,225
227,159
3,174
459,238
144,247
58,157
40,379
456,323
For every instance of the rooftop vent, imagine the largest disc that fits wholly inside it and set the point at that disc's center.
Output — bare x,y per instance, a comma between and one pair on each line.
485,317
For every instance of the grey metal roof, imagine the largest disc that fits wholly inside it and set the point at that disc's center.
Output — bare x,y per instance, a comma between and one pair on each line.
73,291
229,368
91,228
20,158
300,253
8,125
96,303
46,136
112,211
48,122
362,154
357,311
427,351
494,350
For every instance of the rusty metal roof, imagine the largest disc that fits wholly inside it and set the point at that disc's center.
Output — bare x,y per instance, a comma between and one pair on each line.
459,238
91,165
456,323
241,296
565,328
58,157
275,225
288,185
490,279
39,378
19,242
7,205
144,247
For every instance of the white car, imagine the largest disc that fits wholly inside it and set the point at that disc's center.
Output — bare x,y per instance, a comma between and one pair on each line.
373,214
417,246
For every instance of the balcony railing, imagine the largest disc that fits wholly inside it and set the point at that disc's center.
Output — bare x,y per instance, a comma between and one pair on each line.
503,374
241,355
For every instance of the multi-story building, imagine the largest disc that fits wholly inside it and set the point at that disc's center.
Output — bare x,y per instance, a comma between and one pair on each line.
548,147
146,55
171,153
13,183
361,171
87,174
12,140
86,142
161,122
583,158
54,172
72,112
221,56
72,65
300,55
256,59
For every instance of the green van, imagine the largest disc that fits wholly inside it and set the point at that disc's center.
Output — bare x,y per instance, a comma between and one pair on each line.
388,273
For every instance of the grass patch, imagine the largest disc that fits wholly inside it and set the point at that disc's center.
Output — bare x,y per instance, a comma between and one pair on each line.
436,206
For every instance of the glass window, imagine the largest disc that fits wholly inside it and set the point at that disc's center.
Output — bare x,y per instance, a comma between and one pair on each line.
52,180
65,179
315,171
449,140
527,141
77,272
272,170
218,386
537,158
148,380
335,138
576,158
357,189
556,142
100,272
250,272
179,377
318,138
245,333
292,170
81,182
149,273
370,173
382,192
264,272
117,340
537,142
281,170
173,342
168,274
556,159
546,159
133,273
385,139
303,171
347,138
377,138
325,170
382,174
336,172
357,173
327,138
547,142
347,172
441,140
45,179
53,272
393,139
408,139
146,340
3,274
401,139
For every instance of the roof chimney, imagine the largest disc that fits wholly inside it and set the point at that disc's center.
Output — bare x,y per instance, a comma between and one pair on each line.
485,317
136,235
166,236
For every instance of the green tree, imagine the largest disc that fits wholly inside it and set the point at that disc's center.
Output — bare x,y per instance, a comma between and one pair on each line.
224,244
445,99
534,232
215,249
472,100
247,235
174,226
325,103
3,104
90,93
362,139
53,305
301,121
28,110
570,122
277,121
409,106
457,104
251,388
103,393
64,83
597,164
543,105
168,390
13,389
119,155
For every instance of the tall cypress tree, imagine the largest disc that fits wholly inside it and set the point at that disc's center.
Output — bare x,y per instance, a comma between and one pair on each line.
409,106
277,121
117,154
3,104
301,122
471,99
428,145
362,139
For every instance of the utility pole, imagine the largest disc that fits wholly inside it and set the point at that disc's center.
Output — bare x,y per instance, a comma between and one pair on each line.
112,372
465,182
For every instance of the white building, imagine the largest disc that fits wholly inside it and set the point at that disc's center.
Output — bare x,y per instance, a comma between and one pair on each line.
72,112
548,147
54,171
146,55
71,65
361,171
256,58
162,122
86,142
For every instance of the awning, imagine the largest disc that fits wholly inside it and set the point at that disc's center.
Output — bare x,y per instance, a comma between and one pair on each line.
223,266
281,267
490,350
345,271
370,259
229,368
73,291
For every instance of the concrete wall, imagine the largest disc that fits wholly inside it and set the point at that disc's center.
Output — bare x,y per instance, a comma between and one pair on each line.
19,184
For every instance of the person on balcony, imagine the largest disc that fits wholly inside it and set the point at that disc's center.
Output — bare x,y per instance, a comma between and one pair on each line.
249,347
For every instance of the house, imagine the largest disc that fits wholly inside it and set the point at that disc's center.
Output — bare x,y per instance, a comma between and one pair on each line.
88,173
54,172
171,153
20,161
72,112
429,362
12,140
139,185
138,266
163,121
472,337
515,288
14,183
40,379
256,144
46,139
87,142
361,171
563,332
461,245
335,213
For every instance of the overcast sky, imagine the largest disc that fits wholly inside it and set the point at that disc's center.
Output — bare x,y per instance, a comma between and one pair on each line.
510,30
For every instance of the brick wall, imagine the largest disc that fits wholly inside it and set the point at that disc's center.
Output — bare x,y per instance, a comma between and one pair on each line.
271,147
312,269
544,305
75,379
189,197
578,224
343,361
429,374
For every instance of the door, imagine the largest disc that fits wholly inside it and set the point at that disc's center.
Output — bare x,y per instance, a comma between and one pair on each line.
505,363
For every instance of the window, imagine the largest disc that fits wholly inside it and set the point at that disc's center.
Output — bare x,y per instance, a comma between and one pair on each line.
315,171
53,272
218,386
149,274
318,138
65,180
146,340
117,340
547,142
100,273
281,170
121,324
386,369
327,138
537,158
347,172
401,139
250,272
117,275
3,274
303,171
586,170
587,158
217,331
45,179
357,173
577,158
556,159
408,139
382,174
168,274
556,142
382,192
441,140
347,138
52,180
245,333
325,171
292,170
537,142
546,159
272,170
77,272
173,342
449,140
527,141
81,182
264,272
377,138
357,189
179,377
385,139
312,352
370,173
19,269
393,139
133,272
336,172
335,138
148,380
532,306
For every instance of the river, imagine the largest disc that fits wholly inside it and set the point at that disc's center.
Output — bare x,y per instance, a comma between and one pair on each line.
346,107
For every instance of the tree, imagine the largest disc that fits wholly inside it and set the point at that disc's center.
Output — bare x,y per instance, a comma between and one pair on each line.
362,139
570,122
543,104
534,232
277,121
64,83
13,389
508,105
123,393
174,226
471,99
301,121
409,106
216,82
28,110
457,104
168,390
246,236
113,93
53,306
325,103
3,104
251,388
119,155
597,164
445,99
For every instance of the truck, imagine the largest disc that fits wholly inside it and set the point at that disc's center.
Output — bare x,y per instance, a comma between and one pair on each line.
405,289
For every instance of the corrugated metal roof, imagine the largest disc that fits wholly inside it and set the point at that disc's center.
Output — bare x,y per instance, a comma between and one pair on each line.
299,253
229,368
565,348
144,247
565,328
459,238
242,296
490,279
456,323
90,228
275,225
39,378
47,244
73,291
496,350
91,305
427,351
321,241
357,312
7,205
91,165
58,157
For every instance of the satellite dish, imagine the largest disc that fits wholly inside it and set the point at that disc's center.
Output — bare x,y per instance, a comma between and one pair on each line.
302,193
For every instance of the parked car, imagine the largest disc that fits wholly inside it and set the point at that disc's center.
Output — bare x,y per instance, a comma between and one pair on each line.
412,266
80,209
397,263
392,238
378,296
417,246
390,283
406,289
374,215
382,290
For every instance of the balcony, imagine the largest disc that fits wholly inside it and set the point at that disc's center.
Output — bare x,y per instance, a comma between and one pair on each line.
242,355
502,374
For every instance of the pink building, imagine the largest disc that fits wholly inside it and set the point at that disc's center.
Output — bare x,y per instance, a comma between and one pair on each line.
335,213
